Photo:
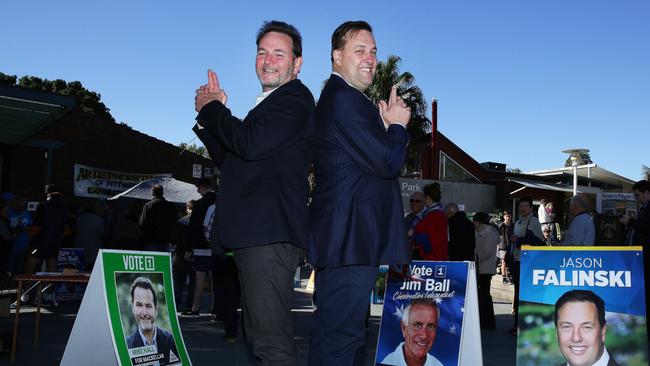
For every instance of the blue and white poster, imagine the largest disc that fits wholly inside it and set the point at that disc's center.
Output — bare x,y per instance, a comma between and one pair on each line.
422,320
582,305
70,258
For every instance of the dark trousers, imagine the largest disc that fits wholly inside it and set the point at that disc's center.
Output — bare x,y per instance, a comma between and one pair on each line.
179,286
514,273
342,297
227,295
266,278
485,306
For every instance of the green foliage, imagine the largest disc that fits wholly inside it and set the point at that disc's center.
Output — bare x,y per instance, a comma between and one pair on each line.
88,101
9,80
514,170
584,158
645,171
388,75
199,150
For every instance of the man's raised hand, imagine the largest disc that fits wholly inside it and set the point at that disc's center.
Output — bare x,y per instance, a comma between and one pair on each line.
395,111
209,92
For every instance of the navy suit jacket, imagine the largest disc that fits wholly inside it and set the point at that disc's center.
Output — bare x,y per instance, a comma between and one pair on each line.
356,212
264,162
164,343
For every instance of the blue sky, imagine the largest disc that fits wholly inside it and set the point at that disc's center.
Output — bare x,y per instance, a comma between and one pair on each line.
517,81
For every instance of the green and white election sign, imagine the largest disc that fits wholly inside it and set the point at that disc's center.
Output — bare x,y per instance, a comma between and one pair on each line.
127,316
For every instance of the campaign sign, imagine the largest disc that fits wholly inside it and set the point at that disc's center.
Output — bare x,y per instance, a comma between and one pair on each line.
423,315
127,316
70,258
585,284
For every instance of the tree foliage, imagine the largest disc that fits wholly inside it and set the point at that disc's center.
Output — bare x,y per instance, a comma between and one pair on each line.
88,101
199,150
645,171
387,75
583,159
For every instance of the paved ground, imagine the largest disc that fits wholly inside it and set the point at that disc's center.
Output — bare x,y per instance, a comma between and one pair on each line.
206,346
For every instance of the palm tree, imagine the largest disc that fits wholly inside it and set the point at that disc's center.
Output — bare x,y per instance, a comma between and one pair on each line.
645,171
386,76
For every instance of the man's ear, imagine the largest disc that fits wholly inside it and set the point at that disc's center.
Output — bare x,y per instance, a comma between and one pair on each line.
297,63
336,55
603,332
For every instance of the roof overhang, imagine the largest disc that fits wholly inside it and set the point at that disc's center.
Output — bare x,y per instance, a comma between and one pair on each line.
588,171
24,112
536,184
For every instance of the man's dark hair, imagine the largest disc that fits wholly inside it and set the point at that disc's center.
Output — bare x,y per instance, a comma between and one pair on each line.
581,296
481,217
642,186
144,283
157,190
527,199
433,191
345,31
204,183
506,212
282,27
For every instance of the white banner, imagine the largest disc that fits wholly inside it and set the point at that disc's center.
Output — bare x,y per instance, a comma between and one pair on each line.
100,183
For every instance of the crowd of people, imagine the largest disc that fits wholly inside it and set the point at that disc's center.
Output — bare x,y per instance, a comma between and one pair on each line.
250,238
494,241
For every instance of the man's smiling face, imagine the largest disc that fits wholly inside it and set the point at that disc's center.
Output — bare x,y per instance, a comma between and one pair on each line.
579,333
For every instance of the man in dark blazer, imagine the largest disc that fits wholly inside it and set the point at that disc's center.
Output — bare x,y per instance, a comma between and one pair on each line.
356,211
261,209
157,218
144,304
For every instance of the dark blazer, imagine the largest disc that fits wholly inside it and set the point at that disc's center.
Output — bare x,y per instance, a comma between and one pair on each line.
164,343
356,211
158,217
461,237
265,161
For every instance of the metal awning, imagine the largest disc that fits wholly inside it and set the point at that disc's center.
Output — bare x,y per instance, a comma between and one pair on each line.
24,112
541,185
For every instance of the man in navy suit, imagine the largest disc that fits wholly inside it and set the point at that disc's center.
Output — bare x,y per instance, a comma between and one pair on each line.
356,212
261,209
144,304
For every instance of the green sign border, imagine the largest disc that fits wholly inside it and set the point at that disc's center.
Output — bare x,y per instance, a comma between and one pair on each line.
112,263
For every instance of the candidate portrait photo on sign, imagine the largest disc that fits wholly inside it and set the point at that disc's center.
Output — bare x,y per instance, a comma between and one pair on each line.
419,326
145,319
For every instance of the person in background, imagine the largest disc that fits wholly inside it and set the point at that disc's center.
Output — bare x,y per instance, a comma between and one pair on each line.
127,234
461,234
505,233
90,232
527,230
581,231
416,204
6,242
487,239
158,217
549,239
20,222
430,233
542,213
181,267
